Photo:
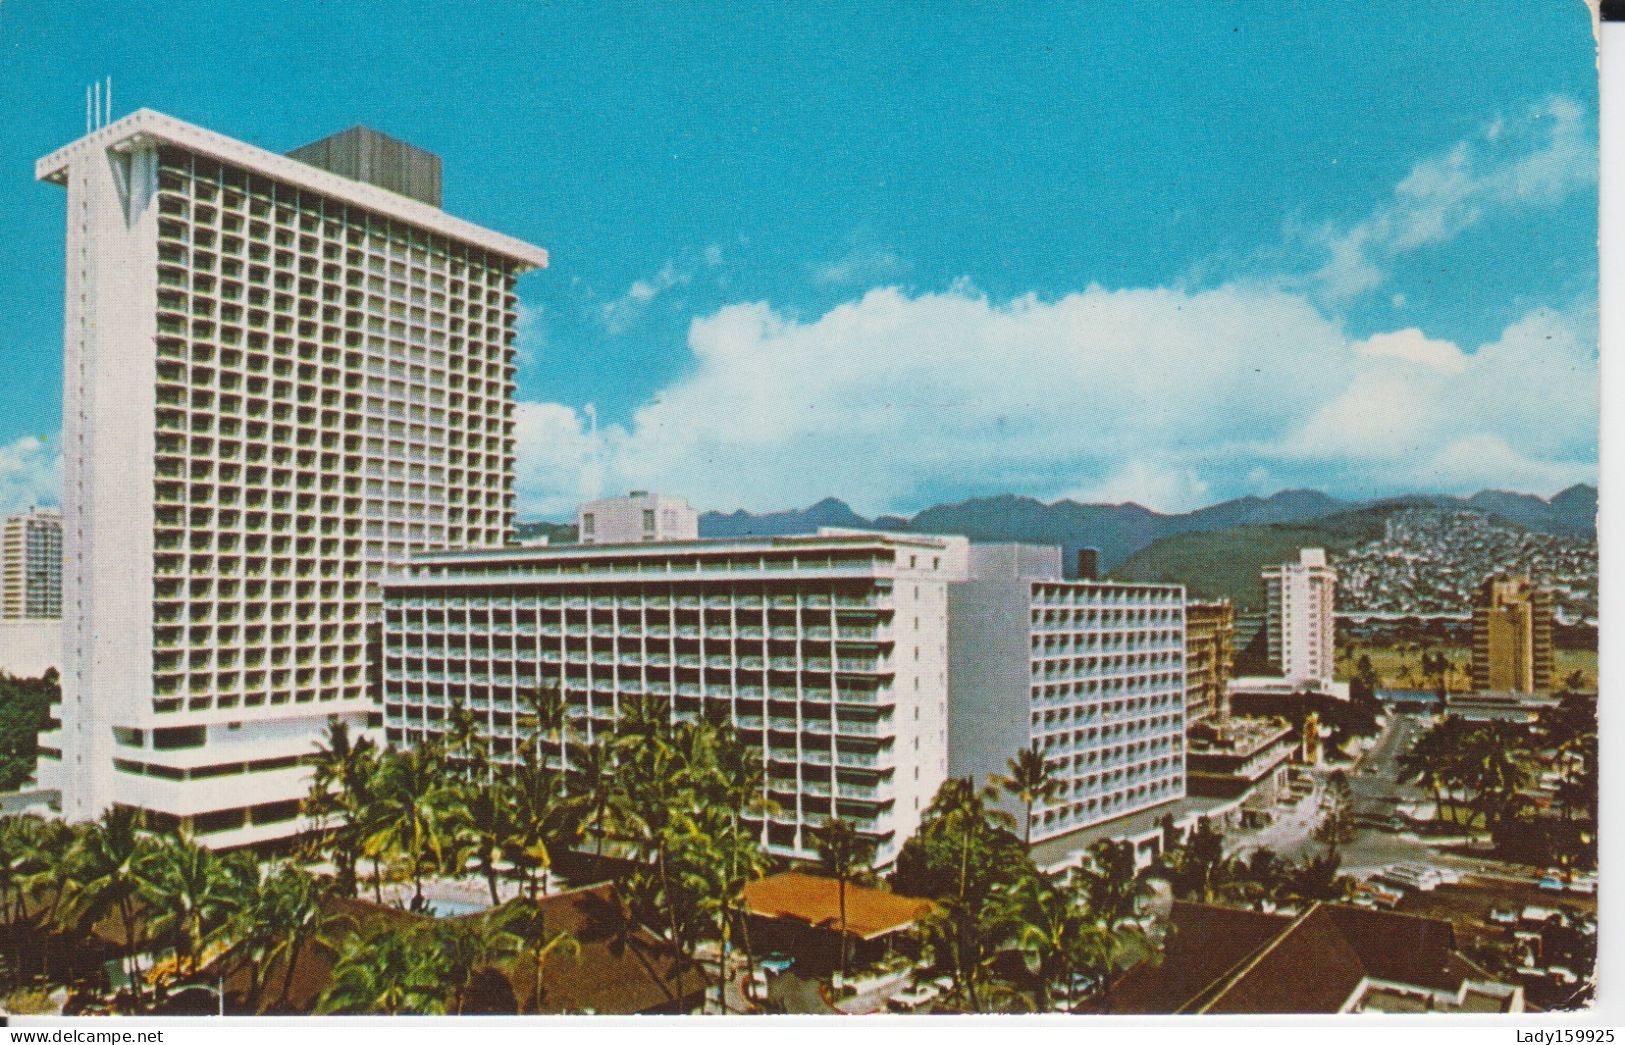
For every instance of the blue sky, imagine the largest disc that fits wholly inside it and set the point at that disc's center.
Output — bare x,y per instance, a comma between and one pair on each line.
898,254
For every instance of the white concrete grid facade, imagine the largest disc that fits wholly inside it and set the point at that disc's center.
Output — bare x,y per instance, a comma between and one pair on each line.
277,381
1091,672
828,653
1300,598
31,566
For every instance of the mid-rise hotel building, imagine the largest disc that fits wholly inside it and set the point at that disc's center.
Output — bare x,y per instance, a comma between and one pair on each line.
829,653
1299,599
31,566
1091,673
1210,659
280,374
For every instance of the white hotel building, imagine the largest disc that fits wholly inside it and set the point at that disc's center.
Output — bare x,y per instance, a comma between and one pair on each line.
277,380
31,566
1299,597
827,652
1091,672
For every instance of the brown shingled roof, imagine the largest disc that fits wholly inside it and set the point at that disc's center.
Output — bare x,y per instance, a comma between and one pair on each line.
815,901
620,970
1204,943
1236,962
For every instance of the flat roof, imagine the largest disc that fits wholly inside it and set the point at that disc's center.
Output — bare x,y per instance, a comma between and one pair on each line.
144,127
651,549
1132,827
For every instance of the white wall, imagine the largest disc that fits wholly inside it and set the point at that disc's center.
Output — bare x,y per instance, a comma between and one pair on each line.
27,648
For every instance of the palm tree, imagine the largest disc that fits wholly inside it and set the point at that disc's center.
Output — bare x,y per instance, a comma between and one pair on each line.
391,970
1494,769
466,747
533,826
102,876
527,921
192,893
484,830
340,794
715,860
742,790
842,854
285,921
410,812
1107,948
961,831
467,945
1031,783
597,803
545,720
1049,924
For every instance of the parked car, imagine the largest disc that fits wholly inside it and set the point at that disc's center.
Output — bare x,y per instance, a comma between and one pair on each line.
1412,876
1503,916
911,999
1381,895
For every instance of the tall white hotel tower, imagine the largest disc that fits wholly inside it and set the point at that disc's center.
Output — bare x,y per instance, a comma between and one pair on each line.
280,374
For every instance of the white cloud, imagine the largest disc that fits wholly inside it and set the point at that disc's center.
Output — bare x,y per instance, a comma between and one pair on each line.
1168,398
1538,158
30,473
1519,412
557,467
860,266
620,314
1413,345
531,328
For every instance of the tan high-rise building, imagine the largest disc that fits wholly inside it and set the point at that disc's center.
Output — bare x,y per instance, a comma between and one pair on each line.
1210,658
1512,637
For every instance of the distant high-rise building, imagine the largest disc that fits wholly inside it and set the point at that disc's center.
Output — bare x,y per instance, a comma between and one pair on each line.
1299,596
31,566
1210,658
1512,637
278,379
1091,673
637,518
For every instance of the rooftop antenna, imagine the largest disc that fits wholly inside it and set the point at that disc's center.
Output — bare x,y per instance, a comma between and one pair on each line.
88,125
595,471
109,112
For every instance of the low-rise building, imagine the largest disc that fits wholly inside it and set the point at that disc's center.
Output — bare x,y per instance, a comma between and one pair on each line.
639,517
1090,673
1521,708
828,653
1240,756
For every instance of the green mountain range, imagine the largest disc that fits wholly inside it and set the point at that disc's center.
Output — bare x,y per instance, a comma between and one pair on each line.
1215,551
